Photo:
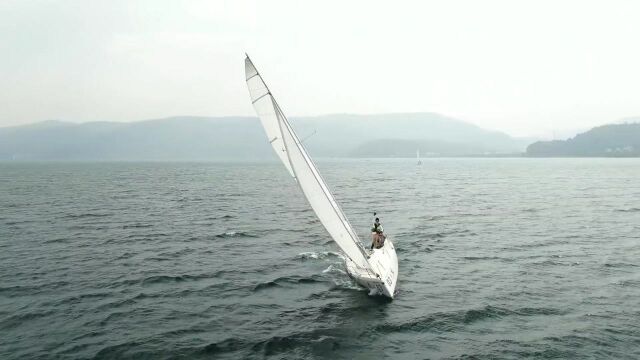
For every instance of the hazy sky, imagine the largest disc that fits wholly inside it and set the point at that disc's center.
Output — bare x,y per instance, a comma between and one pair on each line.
524,67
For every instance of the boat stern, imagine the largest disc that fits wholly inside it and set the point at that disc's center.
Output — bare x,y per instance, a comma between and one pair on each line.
385,262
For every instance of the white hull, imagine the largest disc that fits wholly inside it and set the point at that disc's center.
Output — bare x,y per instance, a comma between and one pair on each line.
385,261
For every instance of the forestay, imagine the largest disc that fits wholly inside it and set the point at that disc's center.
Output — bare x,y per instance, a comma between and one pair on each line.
296,159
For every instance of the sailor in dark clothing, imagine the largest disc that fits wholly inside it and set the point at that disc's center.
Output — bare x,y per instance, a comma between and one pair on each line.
377,234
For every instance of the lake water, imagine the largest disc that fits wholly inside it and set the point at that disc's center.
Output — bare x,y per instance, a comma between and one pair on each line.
498,258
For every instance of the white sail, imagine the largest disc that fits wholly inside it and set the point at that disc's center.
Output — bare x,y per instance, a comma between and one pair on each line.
297,160
261,99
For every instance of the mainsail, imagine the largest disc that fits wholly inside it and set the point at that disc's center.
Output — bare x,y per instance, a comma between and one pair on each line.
296,159
263,103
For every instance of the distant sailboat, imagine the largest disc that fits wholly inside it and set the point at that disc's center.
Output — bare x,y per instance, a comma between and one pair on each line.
376,270
418,157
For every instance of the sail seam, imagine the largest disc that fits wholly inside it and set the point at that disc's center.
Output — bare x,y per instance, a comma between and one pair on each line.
254,101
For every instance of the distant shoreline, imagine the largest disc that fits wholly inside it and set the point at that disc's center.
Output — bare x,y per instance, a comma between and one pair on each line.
274,161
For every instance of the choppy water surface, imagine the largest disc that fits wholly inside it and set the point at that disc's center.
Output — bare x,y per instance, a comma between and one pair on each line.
499,258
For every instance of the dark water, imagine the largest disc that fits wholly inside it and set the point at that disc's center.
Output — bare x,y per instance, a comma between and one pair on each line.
499,258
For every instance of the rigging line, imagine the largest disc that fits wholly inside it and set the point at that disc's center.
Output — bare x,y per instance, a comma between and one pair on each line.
336,208
318,177
332,200
277,108
308,136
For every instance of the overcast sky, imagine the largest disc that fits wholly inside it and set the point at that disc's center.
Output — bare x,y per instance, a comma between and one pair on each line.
523,67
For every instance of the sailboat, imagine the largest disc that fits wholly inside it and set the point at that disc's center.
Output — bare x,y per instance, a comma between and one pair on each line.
418,157
377,269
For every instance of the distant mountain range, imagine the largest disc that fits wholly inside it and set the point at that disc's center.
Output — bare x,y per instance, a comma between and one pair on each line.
191,138
616,140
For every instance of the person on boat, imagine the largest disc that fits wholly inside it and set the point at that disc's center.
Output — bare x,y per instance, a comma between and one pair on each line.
377,234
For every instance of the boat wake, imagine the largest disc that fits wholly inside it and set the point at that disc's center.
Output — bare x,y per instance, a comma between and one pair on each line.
288,280
318,255
334,269
235,234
